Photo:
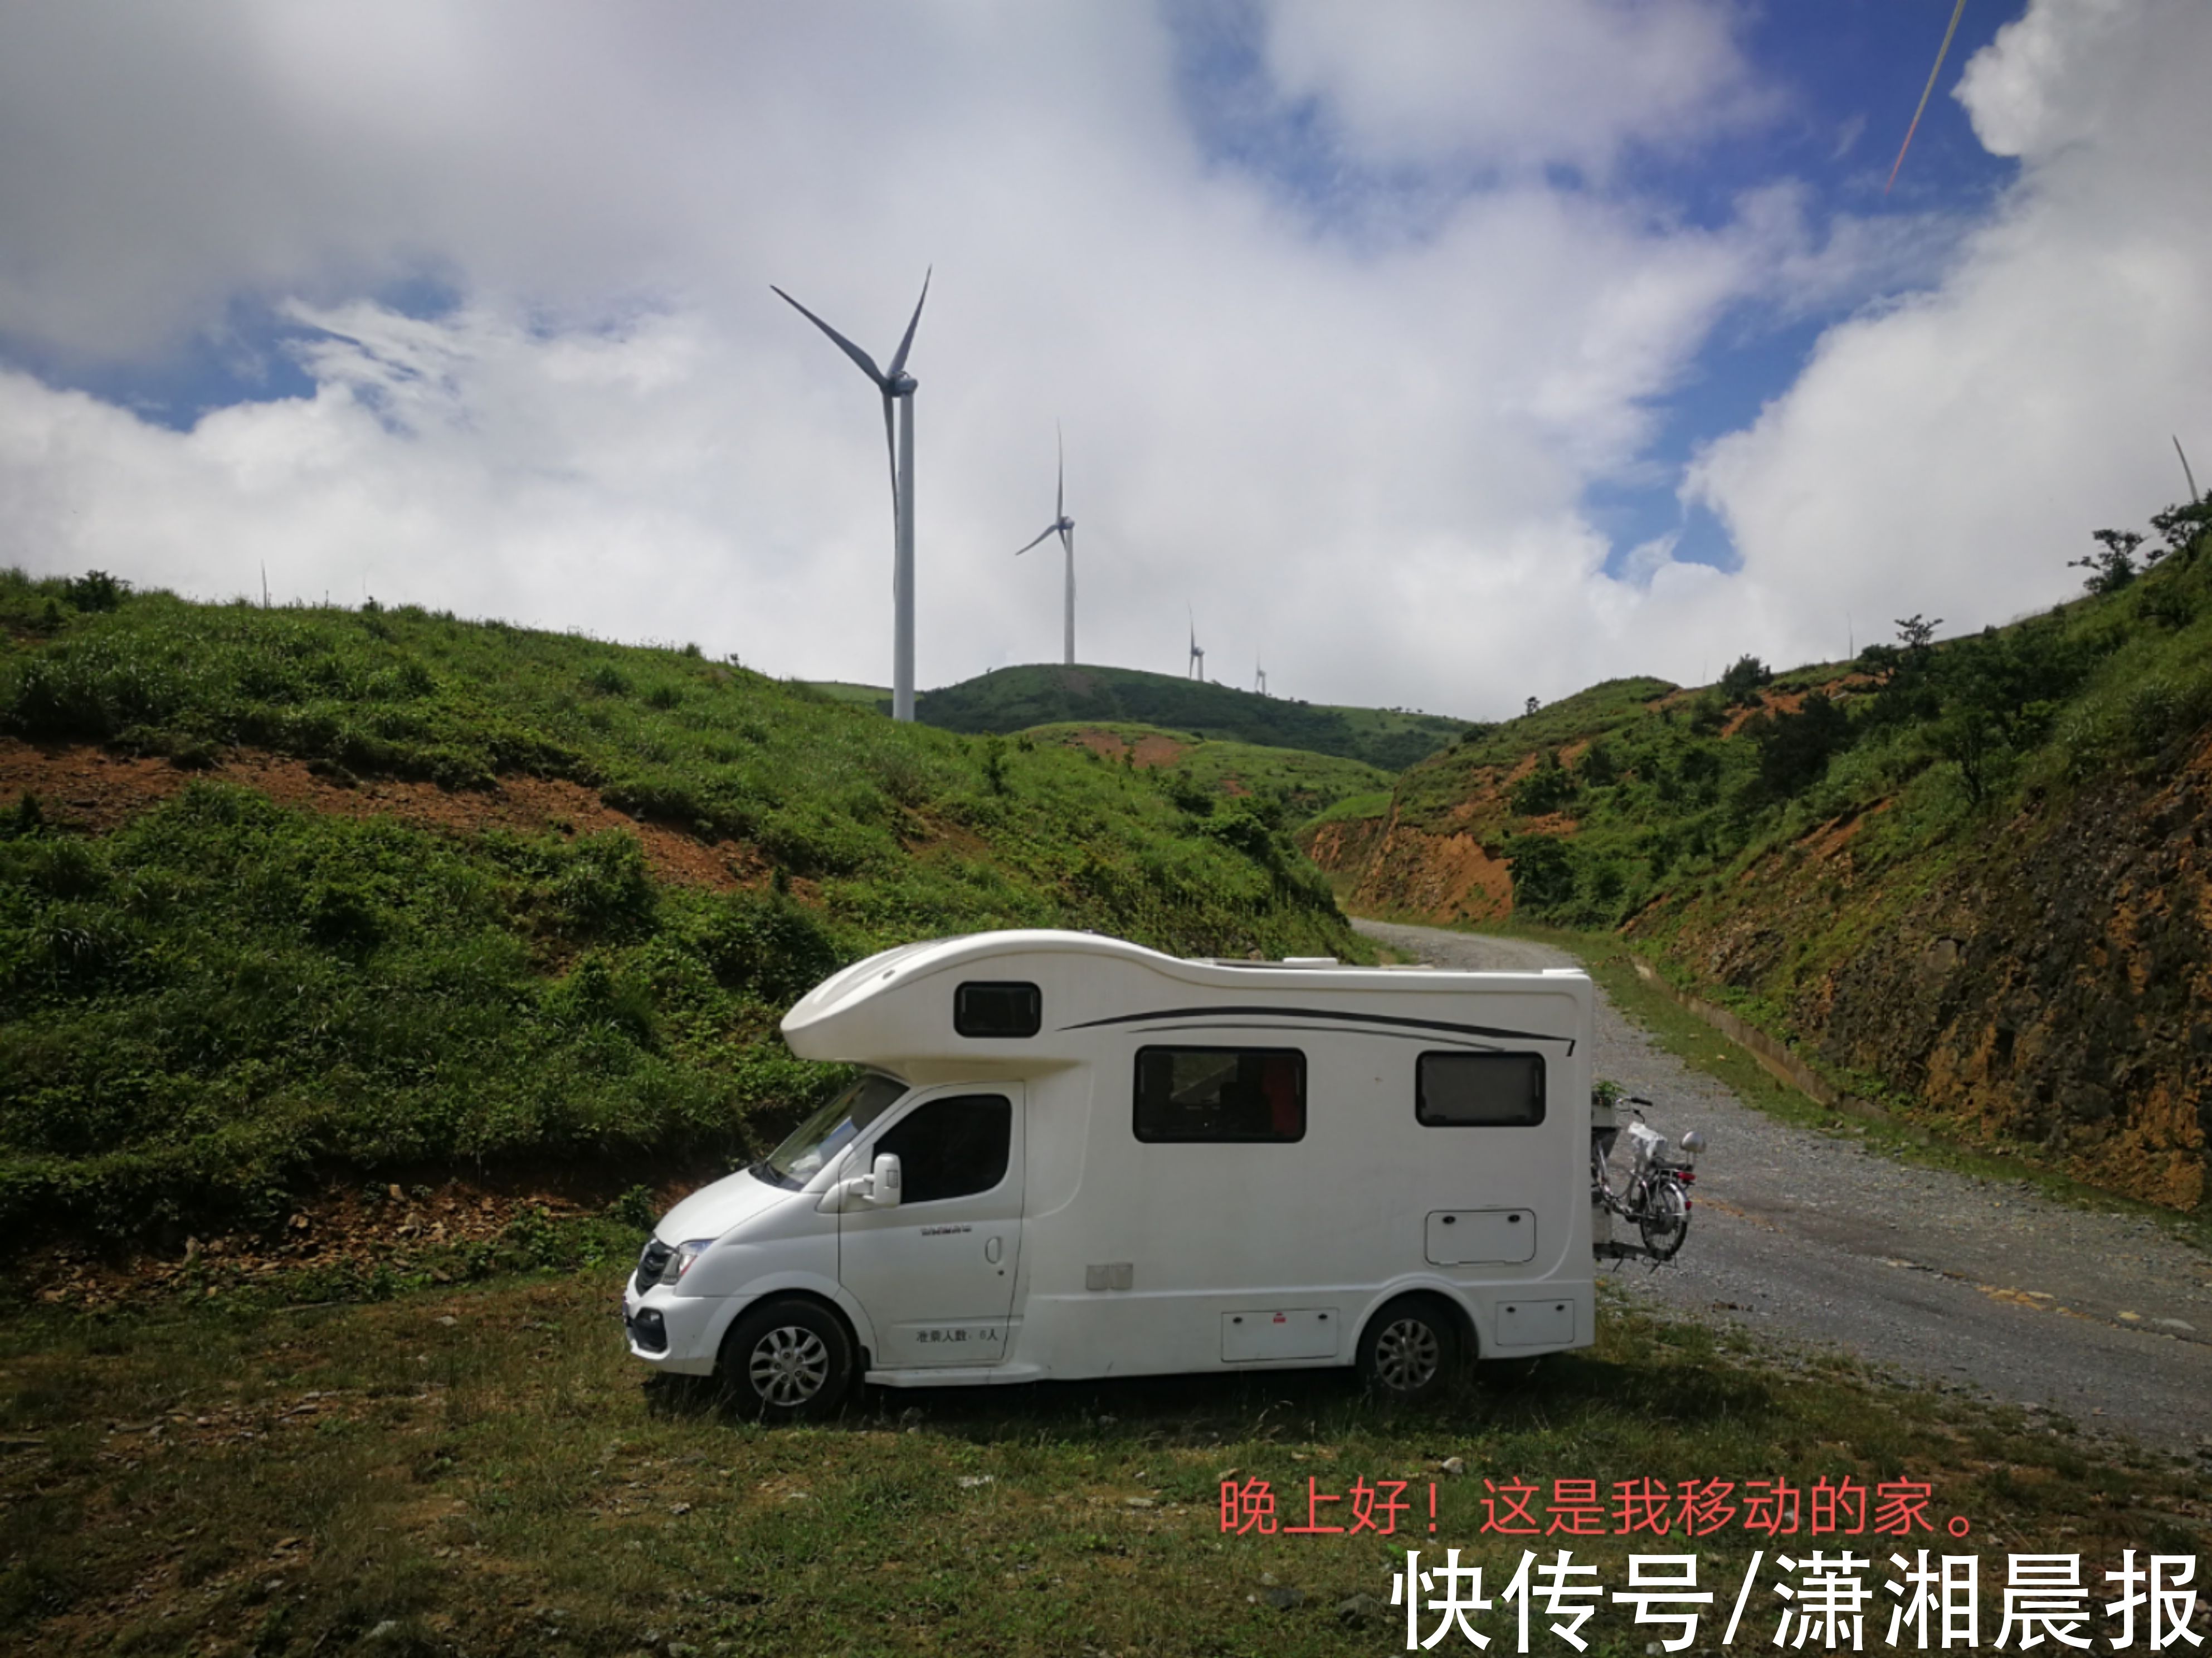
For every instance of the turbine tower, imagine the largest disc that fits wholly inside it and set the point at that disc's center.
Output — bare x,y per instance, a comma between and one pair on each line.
1066,527
1196,668
897,386
1259,678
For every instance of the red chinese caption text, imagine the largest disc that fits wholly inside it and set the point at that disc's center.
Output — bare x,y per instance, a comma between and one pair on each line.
1581,1508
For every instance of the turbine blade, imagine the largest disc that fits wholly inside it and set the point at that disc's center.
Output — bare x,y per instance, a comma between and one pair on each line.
1042,534
898,361
866,362
1059,494
1941,52
891,448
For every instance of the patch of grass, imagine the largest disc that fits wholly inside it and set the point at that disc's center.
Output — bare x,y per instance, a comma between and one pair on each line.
482,1470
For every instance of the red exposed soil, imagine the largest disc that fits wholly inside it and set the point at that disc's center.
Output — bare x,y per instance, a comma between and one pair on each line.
89,788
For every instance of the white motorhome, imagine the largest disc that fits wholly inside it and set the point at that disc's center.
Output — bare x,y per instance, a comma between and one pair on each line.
1072,1157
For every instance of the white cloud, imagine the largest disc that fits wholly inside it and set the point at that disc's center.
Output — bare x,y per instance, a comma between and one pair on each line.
1948,454
1568,82
1364,459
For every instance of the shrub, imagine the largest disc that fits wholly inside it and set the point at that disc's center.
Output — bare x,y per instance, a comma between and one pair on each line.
1741,684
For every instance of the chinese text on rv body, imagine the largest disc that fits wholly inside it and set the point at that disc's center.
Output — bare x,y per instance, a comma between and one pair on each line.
1828,1601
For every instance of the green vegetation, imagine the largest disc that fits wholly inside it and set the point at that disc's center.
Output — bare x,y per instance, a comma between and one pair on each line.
479,1471
1283,785
1010,700
1671,794
226,996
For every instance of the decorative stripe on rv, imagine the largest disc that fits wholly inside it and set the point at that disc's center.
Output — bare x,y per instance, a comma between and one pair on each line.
1322,1013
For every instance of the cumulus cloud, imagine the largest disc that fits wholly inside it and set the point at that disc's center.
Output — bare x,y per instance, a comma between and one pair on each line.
1947,454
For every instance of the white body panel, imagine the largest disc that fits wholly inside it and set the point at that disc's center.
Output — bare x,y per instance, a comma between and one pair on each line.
1115,1256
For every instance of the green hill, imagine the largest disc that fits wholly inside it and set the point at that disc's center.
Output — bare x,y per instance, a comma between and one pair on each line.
288,894
1964,877
1287,785
1008,700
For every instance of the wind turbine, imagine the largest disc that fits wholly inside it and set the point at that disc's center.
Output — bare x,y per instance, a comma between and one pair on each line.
1065,527
897,386
1195,668
1259,678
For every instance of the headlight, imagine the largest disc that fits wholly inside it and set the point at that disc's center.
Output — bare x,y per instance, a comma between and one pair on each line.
680,1262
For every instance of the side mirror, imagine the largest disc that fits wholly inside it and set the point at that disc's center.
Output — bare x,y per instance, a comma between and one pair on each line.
885,1182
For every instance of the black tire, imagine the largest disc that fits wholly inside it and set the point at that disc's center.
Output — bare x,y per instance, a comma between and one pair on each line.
788,1361
1409,1351
1663,1218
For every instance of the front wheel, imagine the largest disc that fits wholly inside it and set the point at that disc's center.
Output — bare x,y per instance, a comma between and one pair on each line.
1408,1350
788,1361
1663,1218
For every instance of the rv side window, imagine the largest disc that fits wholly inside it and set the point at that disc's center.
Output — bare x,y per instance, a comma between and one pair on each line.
1480,1090
1241,1094
998,1010
951,1148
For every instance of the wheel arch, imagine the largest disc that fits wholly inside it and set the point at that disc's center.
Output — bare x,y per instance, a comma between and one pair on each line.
832,1298
1462,1318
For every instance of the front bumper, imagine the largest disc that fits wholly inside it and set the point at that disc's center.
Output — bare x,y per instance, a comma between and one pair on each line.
673,1333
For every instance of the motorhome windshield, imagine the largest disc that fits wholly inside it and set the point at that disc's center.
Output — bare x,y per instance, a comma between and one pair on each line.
829,1130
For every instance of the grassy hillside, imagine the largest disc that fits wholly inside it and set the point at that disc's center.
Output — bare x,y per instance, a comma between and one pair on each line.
1964,875
297,890
1013,699
1283,785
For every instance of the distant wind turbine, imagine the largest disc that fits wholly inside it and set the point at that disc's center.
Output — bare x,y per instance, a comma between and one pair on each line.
897,386
1066,527
1196,667
1259,678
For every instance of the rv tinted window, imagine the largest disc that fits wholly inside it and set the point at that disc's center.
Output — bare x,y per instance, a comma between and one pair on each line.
998,1010
1480,1090
951,1148
1220,1094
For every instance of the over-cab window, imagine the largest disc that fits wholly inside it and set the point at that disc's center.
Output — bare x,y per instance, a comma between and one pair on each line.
951,1148
1237,1094
1480,1090
983,1009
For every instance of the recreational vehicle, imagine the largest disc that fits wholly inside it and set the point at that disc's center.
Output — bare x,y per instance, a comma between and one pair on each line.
1070,1156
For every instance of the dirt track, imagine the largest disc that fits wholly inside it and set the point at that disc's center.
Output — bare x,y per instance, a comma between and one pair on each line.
2102,1317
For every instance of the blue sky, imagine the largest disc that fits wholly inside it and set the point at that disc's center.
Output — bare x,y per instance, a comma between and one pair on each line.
1437,353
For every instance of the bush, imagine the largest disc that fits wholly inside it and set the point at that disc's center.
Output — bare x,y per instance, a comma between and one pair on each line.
1546,789
1741,684
1794,749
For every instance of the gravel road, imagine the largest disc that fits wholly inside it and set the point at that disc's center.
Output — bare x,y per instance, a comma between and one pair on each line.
1964,1281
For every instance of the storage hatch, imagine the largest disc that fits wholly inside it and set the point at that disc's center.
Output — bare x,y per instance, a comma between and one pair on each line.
1469,1237
1535,1323
1278,1332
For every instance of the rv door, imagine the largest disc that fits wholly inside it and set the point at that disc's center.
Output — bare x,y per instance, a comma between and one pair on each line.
936,1272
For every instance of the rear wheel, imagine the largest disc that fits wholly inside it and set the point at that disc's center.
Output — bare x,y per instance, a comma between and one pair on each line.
1664,1217
1409,1350
788,1361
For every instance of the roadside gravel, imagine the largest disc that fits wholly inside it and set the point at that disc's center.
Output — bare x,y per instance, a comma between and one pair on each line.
1961,1281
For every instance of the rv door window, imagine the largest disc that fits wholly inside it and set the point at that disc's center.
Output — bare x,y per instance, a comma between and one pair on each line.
1232,1093
951,1148
981,1009
1480,1090
829,1130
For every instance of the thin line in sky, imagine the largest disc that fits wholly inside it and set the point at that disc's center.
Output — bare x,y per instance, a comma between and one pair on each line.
1957,11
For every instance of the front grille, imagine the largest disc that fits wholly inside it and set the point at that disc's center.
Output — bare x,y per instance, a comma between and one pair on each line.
651,1264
